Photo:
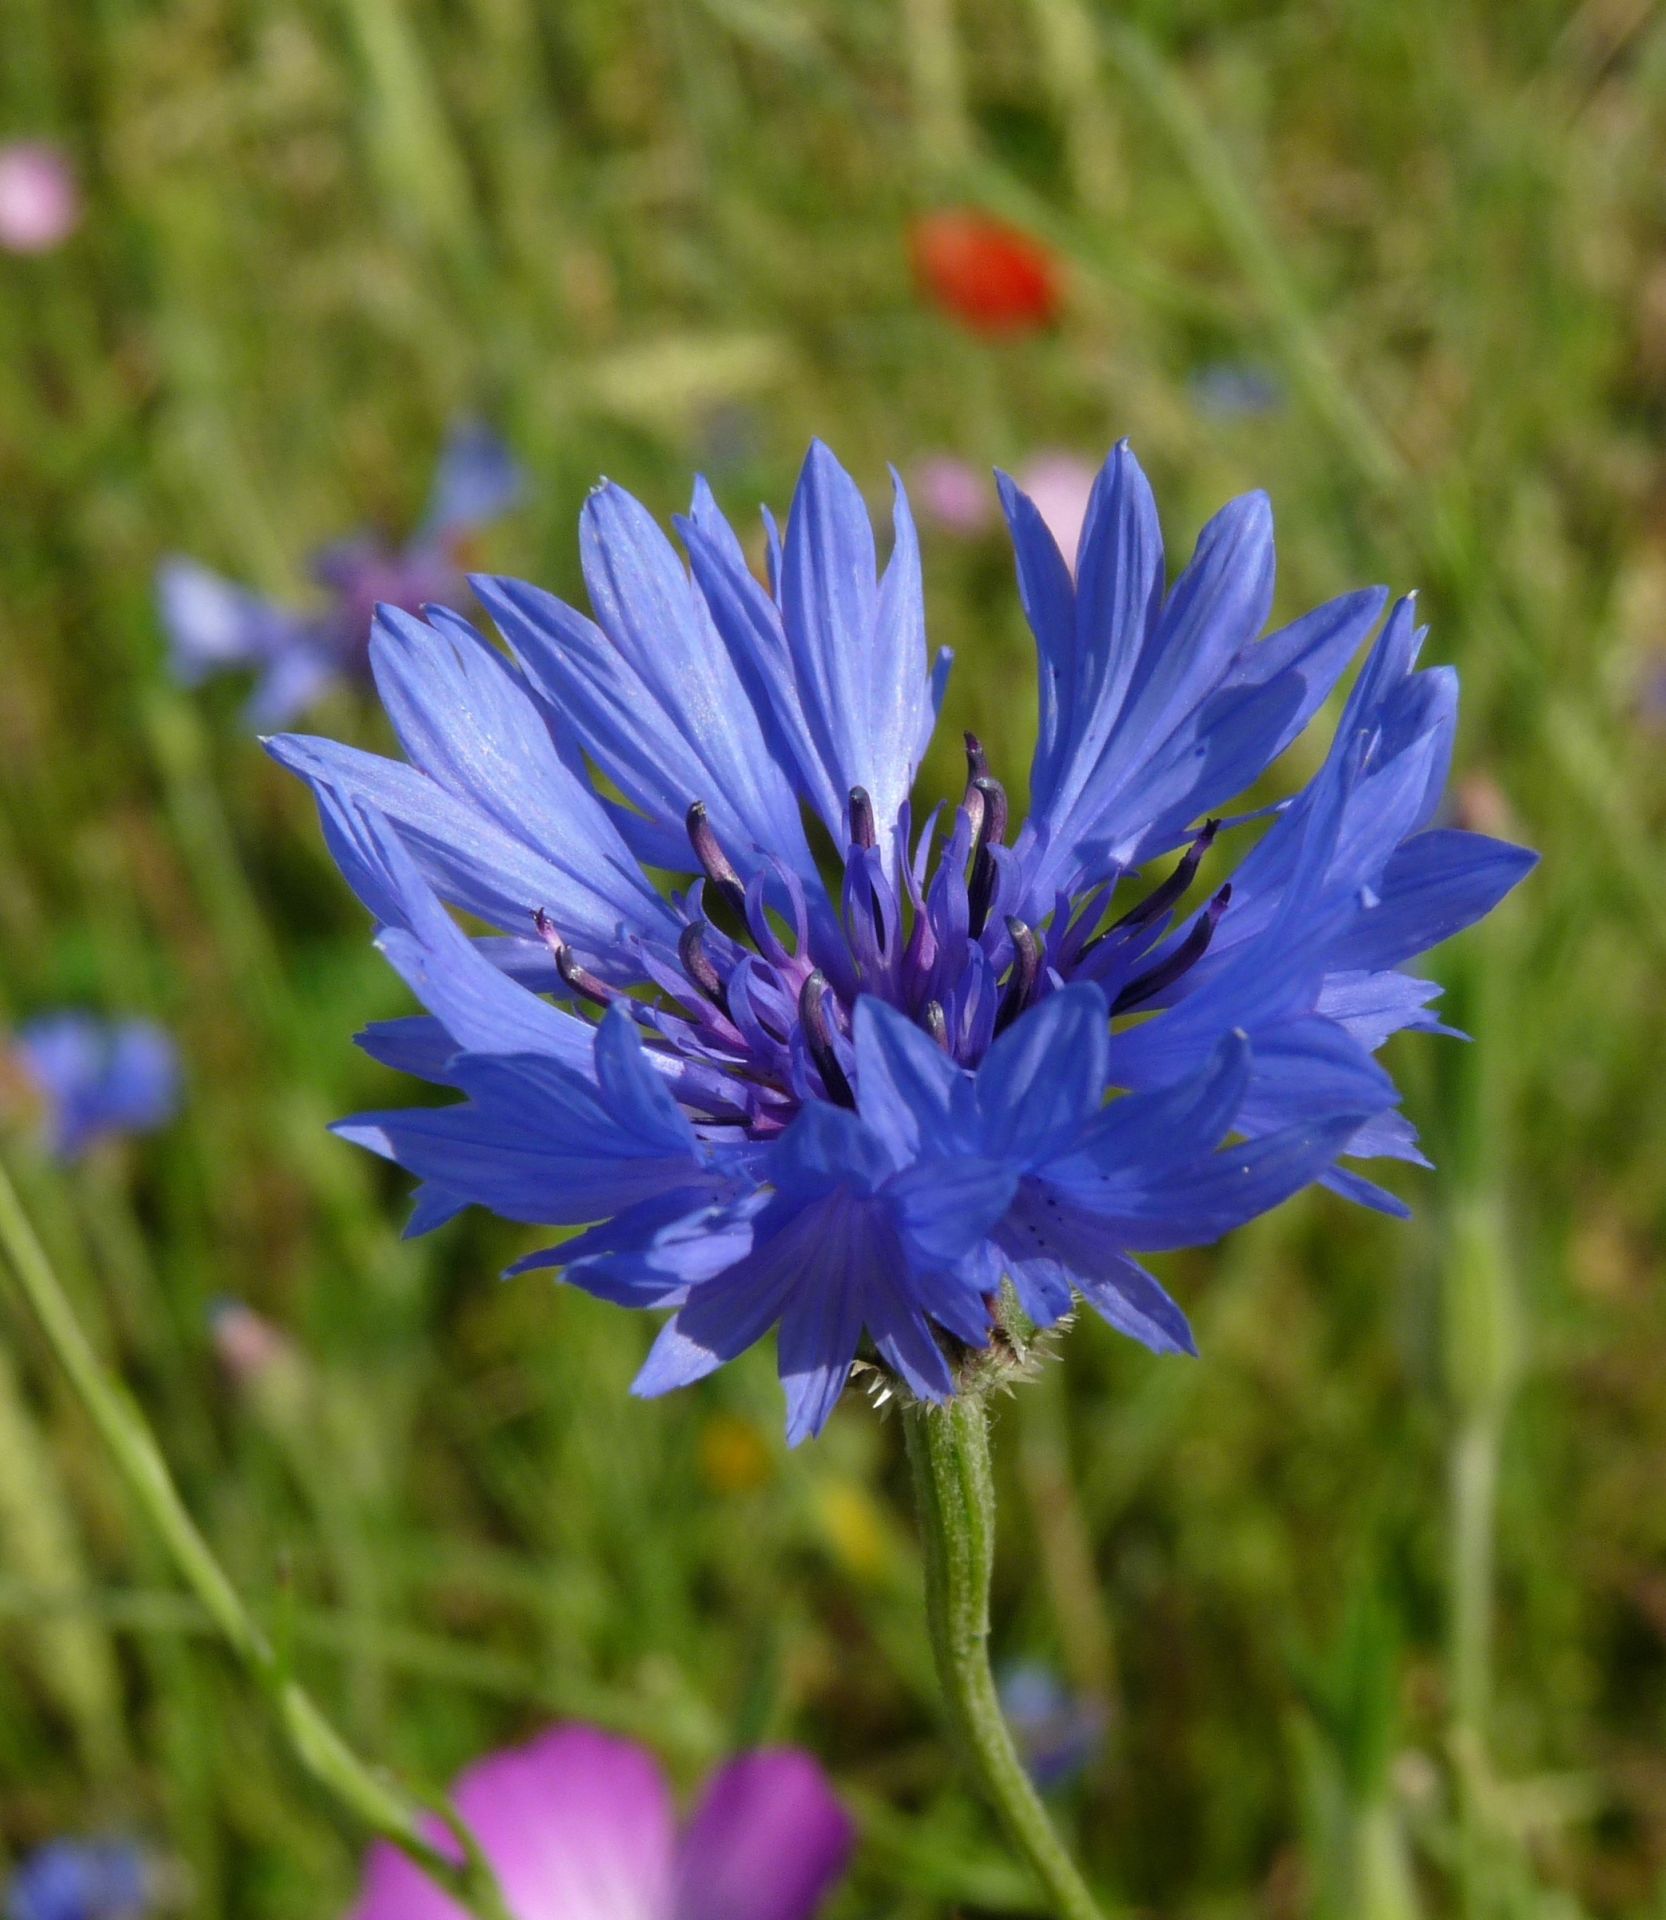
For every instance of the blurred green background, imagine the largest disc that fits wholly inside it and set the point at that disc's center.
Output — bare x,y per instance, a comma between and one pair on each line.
1376,1591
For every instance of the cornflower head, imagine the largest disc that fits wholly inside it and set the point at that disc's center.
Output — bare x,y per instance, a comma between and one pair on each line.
214,626
82,1880
579,1825
912,1083
1233,390
93,1079
1059,1733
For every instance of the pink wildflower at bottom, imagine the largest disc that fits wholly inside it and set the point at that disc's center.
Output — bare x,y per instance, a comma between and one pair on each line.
580,1825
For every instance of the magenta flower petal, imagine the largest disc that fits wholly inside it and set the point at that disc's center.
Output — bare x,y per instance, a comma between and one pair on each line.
768,1841
578,1826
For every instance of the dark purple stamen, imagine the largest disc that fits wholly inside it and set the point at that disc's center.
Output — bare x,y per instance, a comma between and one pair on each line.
1173,889
1026,970
862,832
936,1022
714,862
992,831
977,768
697,964
580,979
818,1037
1190,950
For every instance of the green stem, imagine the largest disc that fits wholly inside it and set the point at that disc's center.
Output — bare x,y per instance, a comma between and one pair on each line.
1474,1471
948,1448
125,1432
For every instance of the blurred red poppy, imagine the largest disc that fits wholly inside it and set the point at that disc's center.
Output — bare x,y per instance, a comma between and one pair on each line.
989,276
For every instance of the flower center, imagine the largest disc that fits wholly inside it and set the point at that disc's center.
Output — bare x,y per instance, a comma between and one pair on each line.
762,1025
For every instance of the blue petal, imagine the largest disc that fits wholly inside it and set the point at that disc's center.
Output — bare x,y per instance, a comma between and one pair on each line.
1188,1206
1433,886
678,1360
905,1083
1217,608
467,721
479,1007
1365,1193
483,867
733,1311
1046,1288
295,678
1045,1076
899,1330
653,698
639,1098
98,1077
417,1044
1237,731
141,1078
1311,1066
653,1253
476,481
827,1148
858,652
1090,660
534,1142
213,624
1052,1244
749,623
645,603
943,1208
1370,1005
840,1242
1048,595
1174,1124
1133,1302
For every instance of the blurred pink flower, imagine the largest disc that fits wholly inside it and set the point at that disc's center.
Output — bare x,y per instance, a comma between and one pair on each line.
1060,484
958,496
40,203
579,1825
246,1343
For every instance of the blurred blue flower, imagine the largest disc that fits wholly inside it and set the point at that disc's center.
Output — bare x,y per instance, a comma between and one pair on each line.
97,1078
214,626
855,1106
80,1880
1230,389
1059,1733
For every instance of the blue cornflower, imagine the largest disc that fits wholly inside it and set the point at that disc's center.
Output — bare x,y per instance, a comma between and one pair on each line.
81,1880
96,1079
1233,390
866,1071
1059,1733
214,626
